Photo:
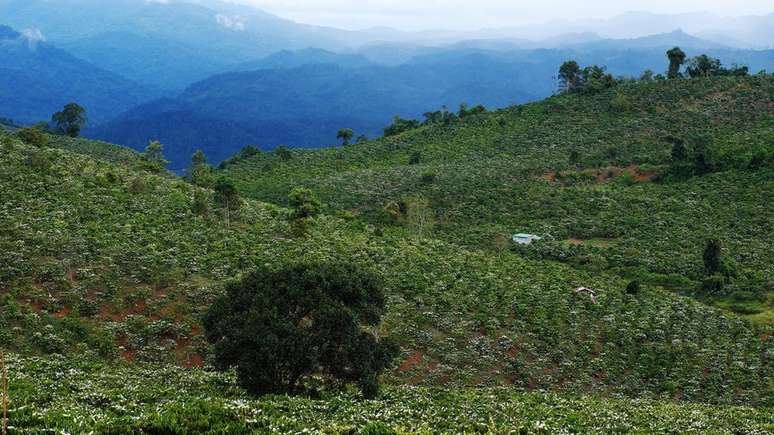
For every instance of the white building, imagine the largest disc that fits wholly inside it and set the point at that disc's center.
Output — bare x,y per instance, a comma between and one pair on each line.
525,239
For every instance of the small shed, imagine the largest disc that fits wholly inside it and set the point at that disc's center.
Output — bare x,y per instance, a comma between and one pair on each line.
525,239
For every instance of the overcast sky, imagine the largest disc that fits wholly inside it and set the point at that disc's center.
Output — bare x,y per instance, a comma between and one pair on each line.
476,14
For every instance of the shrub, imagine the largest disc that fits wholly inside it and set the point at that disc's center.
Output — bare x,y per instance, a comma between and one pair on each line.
304,203
633,288
33,136
714,285
278,327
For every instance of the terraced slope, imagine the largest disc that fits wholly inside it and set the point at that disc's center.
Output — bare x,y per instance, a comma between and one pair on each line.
592,174
100,261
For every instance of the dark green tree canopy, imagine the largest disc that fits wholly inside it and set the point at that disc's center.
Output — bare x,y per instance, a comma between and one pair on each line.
70,120
400,125
676,59
569,76
153,157
33,136
277,327
706,66
305,204
345,135
712,254
226,195
200,173
590,79
283,152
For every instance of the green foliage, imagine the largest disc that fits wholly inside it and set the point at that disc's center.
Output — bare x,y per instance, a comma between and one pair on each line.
591,79
676,58
705,66
712,256
569,76
633,288
278,327
200,173
532,166
345,135
466,111
70,120
305,204
90,268
400,125
201,203
33,136
153,158
226,195
101,398
283,152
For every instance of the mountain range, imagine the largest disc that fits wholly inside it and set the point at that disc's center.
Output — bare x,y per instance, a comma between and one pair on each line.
214,75
37,79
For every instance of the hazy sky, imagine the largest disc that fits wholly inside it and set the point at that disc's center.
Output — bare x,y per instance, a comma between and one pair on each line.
476,14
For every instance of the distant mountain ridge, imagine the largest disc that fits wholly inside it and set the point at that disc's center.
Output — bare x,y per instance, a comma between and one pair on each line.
301,99
37,79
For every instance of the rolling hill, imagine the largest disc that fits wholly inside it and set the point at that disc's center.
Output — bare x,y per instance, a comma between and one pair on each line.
302,99
105,271
616,207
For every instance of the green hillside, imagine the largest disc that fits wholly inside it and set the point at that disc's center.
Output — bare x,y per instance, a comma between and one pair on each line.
152,399
105,271
592,174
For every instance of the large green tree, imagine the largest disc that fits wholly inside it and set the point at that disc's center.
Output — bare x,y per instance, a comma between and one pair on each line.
570,78
676,59
153,157
345,135
277,327
70,120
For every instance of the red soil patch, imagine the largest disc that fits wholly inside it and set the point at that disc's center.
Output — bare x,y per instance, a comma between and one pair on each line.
138,308
128,355
640,176
71,276
764,338
193,360
549,176
411,362
64,312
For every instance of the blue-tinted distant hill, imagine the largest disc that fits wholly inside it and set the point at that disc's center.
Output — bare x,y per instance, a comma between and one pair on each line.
37,79
304,106
170,43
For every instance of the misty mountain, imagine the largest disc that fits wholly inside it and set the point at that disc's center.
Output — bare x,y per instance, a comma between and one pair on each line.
304,106
738,32
165,43
293,59
37,79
